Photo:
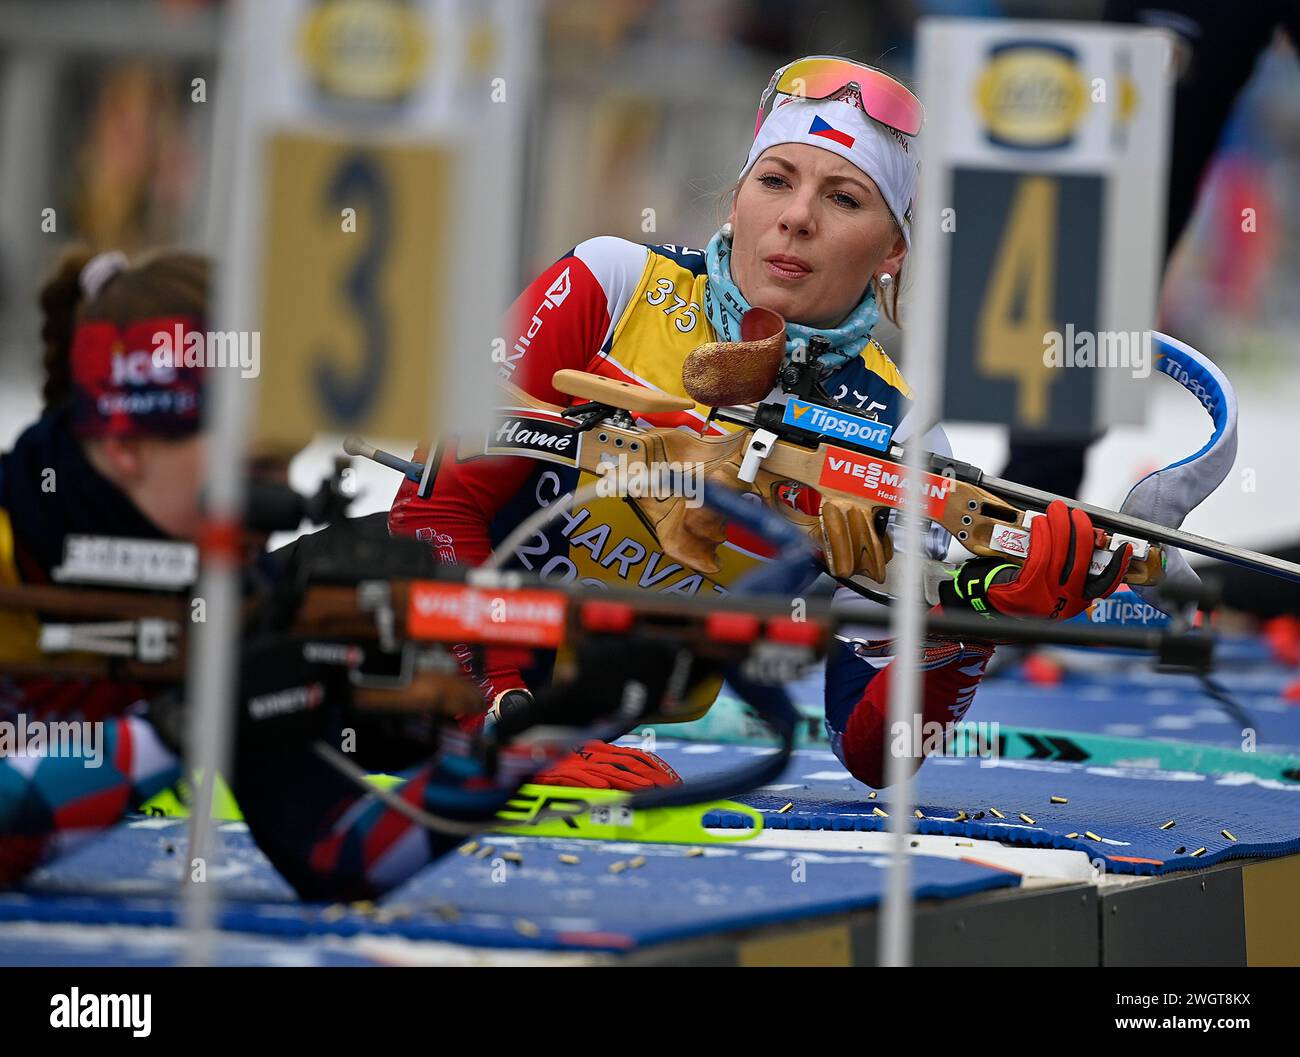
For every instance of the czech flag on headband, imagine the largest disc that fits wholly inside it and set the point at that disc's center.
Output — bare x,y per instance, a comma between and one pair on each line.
821,128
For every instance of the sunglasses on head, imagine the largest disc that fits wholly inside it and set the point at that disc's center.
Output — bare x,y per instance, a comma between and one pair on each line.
820,77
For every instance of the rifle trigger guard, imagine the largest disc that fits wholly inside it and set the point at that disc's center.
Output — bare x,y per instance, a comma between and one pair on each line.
758,448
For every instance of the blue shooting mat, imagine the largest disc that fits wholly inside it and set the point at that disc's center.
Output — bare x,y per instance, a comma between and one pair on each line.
1123,807
130,876
674,894
1231,651
1145,704
1125,698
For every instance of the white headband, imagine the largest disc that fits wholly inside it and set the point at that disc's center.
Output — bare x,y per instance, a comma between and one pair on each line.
99,270
886,156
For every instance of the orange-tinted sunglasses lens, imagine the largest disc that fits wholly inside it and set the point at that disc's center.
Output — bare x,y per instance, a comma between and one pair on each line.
820,77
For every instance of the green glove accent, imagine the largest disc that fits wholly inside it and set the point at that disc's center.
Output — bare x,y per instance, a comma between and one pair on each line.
970,584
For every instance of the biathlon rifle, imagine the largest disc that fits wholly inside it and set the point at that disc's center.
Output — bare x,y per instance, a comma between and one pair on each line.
805,440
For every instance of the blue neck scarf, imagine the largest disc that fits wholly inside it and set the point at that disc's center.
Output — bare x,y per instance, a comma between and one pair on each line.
725,305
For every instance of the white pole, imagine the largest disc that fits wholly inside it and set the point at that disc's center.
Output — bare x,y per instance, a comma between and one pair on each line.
214,660
924,370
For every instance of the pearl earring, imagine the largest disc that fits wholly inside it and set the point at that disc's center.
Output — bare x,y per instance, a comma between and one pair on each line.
886,280
727,231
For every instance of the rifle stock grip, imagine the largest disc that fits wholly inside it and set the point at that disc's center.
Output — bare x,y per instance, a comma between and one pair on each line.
850,541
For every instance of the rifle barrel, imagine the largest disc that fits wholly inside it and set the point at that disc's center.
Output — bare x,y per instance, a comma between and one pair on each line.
1133,526
409,469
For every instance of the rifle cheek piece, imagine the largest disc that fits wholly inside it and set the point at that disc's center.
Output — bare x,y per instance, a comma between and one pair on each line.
728,373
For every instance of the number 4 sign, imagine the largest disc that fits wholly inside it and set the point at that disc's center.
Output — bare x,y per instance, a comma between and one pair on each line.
1046,154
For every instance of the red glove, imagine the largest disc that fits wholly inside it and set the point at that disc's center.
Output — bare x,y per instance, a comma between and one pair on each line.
1053,584
600,766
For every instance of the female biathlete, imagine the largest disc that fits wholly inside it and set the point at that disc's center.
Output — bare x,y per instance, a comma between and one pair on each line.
819,230
119,451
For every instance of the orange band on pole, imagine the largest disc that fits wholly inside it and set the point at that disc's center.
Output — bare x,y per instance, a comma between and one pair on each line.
221,540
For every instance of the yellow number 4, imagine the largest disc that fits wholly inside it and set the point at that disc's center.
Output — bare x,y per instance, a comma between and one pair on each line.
1011,342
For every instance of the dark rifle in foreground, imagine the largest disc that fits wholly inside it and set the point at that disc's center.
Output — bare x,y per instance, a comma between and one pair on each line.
389,612
392,595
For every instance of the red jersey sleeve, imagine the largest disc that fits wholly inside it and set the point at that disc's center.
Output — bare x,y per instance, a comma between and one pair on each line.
562,320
